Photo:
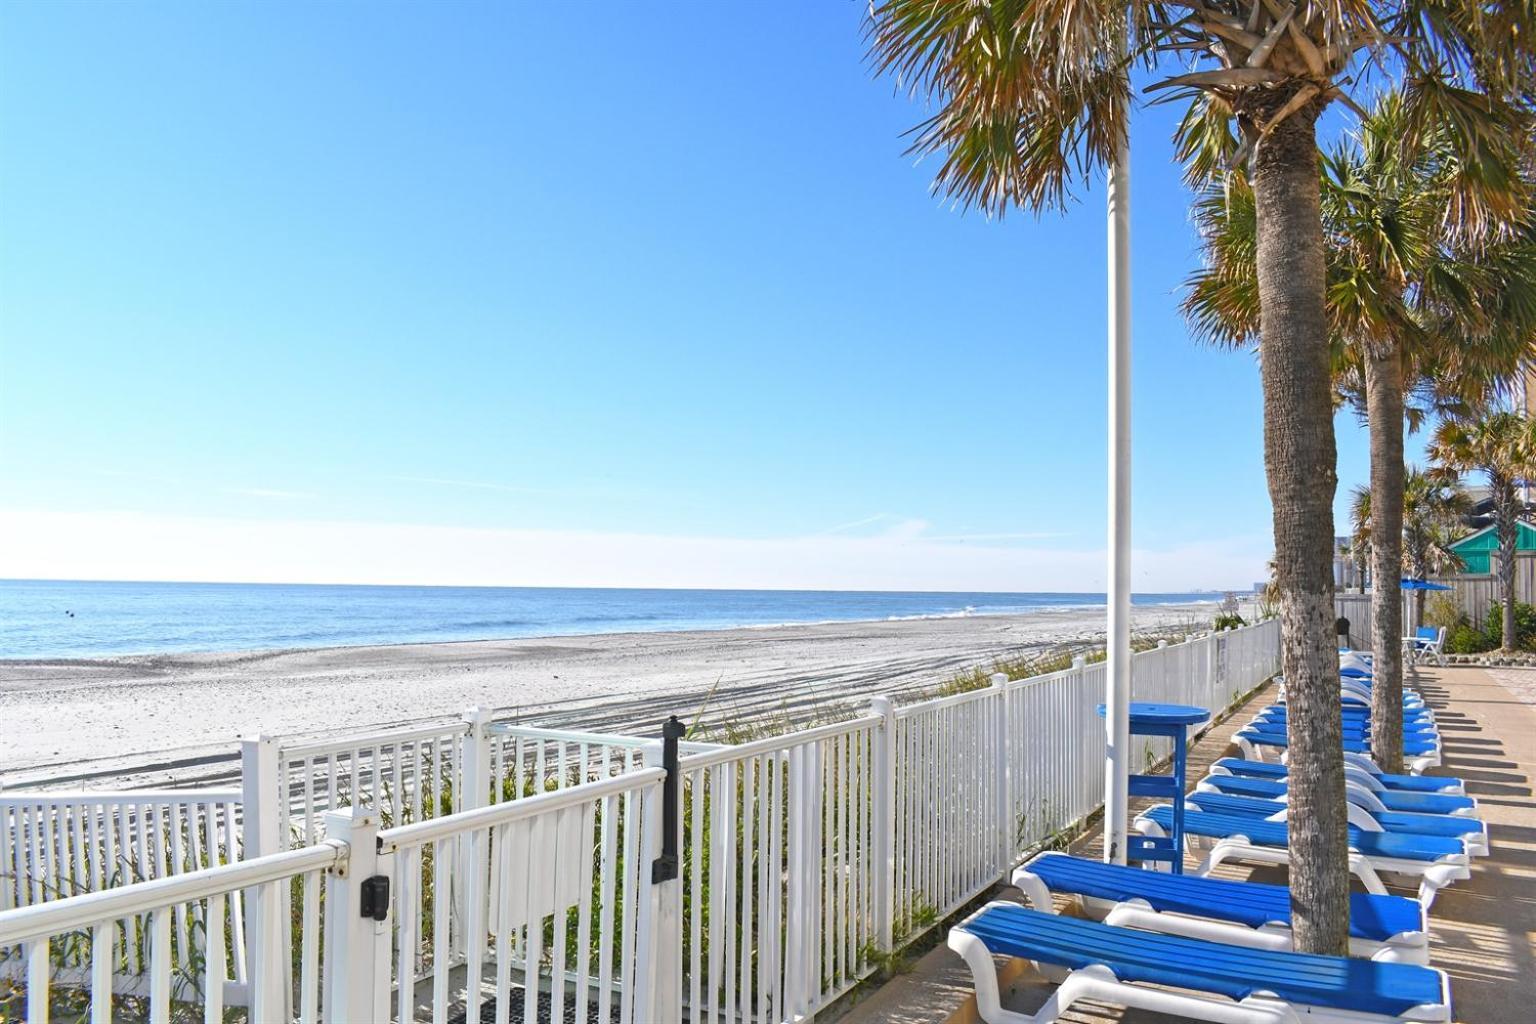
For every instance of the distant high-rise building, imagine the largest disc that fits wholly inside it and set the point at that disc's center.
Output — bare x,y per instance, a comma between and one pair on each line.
1346,573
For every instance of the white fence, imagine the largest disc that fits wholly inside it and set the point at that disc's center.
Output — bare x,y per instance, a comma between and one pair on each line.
77,943
54,845
523,865
406,774
781,870
413,774
557,882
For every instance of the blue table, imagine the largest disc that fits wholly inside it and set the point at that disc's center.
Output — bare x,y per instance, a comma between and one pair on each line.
1172,721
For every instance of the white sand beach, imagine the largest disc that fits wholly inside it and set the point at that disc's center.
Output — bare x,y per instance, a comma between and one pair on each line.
156,718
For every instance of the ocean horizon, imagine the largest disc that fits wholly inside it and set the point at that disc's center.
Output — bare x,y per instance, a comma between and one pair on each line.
46,619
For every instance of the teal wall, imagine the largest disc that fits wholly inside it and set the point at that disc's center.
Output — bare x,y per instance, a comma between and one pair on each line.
1477,551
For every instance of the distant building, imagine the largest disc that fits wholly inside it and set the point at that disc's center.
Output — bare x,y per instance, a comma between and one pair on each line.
1478,550
1346,574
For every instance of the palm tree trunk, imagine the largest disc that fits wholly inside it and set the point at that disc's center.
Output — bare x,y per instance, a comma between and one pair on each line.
1384,414
1300,462
1506,513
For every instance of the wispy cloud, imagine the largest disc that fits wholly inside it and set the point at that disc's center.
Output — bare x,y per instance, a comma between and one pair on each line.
899,528
267,493
475,485
907,530
132,474
917,529
138,547
841,527
264,493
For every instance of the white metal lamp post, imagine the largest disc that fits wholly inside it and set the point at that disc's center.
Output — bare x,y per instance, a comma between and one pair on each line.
1117,676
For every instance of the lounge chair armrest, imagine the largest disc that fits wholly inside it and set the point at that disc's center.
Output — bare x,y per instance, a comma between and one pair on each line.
1360,761
1363,779
1437,877
1361,795
1035,891
1362,868
1362,818
989,1002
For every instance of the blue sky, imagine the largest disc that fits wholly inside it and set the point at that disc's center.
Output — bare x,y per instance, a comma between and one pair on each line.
560,293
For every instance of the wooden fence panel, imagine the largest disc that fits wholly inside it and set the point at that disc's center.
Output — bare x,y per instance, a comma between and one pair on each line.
1476,595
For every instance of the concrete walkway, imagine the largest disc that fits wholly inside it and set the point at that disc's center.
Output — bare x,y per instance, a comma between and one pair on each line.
1484,929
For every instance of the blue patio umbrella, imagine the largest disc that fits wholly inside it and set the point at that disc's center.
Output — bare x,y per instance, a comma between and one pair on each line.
1413,584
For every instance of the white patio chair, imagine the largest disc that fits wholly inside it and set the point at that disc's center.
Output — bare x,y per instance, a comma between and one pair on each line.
1427,642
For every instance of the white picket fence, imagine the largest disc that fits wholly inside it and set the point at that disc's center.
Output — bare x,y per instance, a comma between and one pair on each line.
55,844
78,943
528,865
58,844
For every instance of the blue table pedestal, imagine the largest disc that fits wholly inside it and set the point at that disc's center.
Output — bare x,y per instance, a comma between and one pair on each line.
1171,721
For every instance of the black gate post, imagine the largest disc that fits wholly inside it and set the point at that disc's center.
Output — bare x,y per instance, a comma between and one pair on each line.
664,868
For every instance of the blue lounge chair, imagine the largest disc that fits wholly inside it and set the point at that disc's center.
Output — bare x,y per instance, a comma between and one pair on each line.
1355,697
1436,861
1199,980
1423,727
1469,830
1357,693
1354,726
1369,776
1270,734
1361,698
1359,687
1355,687
1358,713
1387,928
1371,800
1416,741
1420,755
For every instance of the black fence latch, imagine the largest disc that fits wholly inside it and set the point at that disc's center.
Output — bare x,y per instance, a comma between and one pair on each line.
374,897
664,868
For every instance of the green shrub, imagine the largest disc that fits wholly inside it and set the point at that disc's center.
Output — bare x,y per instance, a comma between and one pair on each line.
1443,609
1463,639
1525,627
1228,621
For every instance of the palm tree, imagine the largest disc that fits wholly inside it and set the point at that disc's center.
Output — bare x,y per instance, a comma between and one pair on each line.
1501,445
1416,296
1432,508
1031,97
1360,530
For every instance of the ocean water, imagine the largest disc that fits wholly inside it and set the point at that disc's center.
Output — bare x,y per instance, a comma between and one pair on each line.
71,619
